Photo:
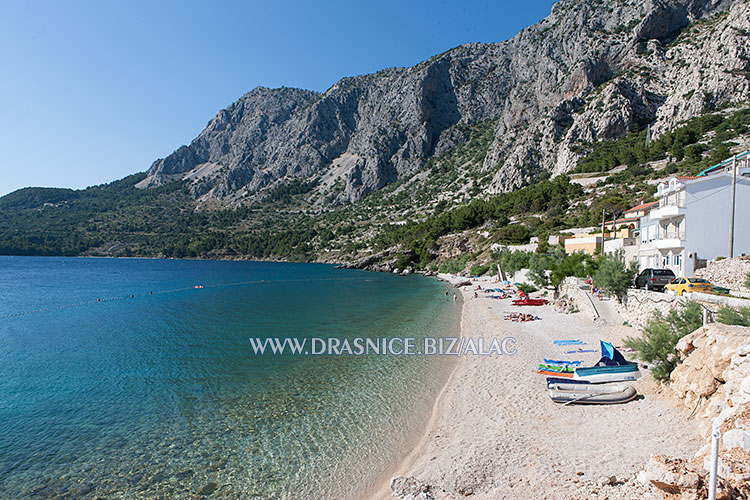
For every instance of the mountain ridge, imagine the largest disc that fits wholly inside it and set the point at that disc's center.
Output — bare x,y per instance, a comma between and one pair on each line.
382,127
434,163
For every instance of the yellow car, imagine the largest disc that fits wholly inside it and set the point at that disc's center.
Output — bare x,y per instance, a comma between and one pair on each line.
679,285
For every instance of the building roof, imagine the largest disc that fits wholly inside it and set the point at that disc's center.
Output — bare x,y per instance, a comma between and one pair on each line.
688,177
628,219
622,219
642,206
722,164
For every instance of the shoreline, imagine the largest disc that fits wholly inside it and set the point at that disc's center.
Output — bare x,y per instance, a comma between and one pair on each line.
383,491
382,488
493,436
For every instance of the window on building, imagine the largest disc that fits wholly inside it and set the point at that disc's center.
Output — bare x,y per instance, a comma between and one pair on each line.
677,260
665,261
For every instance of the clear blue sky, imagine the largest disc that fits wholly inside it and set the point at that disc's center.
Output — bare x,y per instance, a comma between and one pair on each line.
91,91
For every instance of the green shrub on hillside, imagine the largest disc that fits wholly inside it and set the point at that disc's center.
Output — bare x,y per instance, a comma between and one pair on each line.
683,143
514,234
402,261
731,316
657,344
454,266
479,269
536,198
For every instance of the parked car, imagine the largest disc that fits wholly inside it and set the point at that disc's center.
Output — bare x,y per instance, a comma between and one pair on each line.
654,279
680,285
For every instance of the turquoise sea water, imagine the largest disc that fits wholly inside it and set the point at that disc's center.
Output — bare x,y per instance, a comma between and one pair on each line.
159,395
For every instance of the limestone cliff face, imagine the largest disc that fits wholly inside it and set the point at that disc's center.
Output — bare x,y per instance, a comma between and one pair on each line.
591,70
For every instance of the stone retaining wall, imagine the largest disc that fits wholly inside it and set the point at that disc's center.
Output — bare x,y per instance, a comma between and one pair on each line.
729,273
714,302
575,290
639,306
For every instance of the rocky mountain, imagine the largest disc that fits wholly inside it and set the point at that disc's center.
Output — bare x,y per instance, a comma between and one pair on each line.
591,71
436,165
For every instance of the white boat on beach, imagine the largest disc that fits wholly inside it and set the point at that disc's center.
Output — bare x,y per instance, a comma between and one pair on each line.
591,393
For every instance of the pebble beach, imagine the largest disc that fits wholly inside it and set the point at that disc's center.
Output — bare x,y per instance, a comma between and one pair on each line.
494,433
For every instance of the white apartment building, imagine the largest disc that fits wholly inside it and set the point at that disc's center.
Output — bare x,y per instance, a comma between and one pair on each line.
692,220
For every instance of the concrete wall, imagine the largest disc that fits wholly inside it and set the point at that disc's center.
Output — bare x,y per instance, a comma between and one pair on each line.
521,276
627,245
575,289
707,218
719,300
583,245
528,247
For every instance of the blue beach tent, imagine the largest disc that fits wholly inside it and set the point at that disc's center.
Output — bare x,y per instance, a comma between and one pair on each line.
611,356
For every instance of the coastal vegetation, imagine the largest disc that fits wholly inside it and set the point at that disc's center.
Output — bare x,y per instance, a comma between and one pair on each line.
613,276
411,223
547,268
420,237
687,146
734,316
657,344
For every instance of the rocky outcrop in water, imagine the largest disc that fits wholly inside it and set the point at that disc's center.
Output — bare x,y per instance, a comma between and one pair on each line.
590,71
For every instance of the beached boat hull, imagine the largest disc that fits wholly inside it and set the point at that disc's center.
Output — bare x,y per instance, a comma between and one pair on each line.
591,394
558,380
603,374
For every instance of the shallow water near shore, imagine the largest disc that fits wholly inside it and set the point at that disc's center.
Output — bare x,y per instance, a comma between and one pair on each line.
160,394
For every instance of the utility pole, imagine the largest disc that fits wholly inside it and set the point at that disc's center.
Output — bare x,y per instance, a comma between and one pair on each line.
614,225
731,217
604,215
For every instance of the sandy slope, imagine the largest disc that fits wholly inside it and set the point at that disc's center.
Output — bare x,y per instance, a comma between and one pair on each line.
497,434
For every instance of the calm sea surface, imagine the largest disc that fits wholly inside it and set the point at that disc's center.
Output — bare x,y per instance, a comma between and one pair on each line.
159,395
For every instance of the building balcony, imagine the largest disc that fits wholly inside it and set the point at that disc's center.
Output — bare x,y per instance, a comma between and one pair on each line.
667,212
666,243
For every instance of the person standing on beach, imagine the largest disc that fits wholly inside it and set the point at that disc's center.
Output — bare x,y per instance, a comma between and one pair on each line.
455,298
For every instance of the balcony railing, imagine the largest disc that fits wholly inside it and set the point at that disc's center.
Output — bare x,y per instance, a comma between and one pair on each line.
670,201
669,234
